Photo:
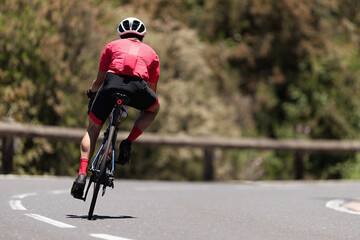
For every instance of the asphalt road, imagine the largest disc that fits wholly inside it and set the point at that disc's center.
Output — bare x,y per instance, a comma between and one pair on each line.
42,208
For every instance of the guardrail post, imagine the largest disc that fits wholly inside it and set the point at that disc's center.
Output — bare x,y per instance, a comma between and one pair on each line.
209,157
7,154
299,165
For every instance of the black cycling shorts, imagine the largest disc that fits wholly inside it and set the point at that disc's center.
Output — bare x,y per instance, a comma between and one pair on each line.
141,96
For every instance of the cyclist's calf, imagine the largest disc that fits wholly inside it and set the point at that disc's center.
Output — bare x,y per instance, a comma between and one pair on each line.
146,118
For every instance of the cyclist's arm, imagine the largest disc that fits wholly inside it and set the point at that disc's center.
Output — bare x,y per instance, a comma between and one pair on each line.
103,67
96,84
154,73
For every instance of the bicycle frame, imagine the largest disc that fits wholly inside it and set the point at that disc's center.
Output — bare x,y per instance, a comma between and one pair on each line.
117,116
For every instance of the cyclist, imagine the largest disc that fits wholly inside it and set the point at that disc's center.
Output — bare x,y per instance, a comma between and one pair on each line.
129,66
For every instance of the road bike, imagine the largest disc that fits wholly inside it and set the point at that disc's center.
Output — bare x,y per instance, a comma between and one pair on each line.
103,165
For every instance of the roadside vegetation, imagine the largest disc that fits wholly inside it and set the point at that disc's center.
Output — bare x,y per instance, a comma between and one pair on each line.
236,68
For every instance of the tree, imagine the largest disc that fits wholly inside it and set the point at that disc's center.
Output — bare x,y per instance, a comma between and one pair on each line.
43,59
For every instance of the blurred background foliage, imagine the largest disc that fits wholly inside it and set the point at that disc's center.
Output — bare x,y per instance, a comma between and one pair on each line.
234,68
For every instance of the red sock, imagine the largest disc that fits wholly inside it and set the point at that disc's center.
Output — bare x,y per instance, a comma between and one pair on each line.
134,134
83,165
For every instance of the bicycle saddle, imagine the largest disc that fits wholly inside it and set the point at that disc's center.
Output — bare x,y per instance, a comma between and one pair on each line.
120,96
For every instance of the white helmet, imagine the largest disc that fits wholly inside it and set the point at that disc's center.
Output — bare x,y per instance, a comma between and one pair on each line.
131,25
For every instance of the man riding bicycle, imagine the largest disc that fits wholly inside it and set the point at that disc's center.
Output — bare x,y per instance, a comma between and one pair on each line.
128,66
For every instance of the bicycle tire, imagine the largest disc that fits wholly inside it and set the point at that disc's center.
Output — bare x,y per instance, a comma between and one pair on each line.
101,174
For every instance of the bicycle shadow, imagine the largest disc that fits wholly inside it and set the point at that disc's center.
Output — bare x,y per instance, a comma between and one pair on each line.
97,217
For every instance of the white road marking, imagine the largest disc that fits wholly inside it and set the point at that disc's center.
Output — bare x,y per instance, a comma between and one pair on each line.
337,205
107,237
50,221
172,188
56,192
16,205
21,196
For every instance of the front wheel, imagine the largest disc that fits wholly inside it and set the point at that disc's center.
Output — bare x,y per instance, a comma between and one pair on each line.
100,176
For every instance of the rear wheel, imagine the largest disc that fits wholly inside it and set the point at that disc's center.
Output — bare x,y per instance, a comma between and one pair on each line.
101,175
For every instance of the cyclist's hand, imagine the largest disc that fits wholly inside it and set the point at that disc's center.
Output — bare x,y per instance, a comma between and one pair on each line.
90,94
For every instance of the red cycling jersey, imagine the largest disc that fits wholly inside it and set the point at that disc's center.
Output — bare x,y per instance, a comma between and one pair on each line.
131,58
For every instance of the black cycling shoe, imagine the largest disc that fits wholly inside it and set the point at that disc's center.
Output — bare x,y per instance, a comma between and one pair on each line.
78,186
124,154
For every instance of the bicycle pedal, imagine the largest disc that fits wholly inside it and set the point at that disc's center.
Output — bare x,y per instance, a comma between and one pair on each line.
110,182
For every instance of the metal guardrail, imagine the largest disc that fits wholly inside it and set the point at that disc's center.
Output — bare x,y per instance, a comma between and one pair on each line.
209,144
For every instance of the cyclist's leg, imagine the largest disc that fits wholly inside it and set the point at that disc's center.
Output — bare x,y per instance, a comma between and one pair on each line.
146,117
147,101
88,142
87,149
97,115
144,120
